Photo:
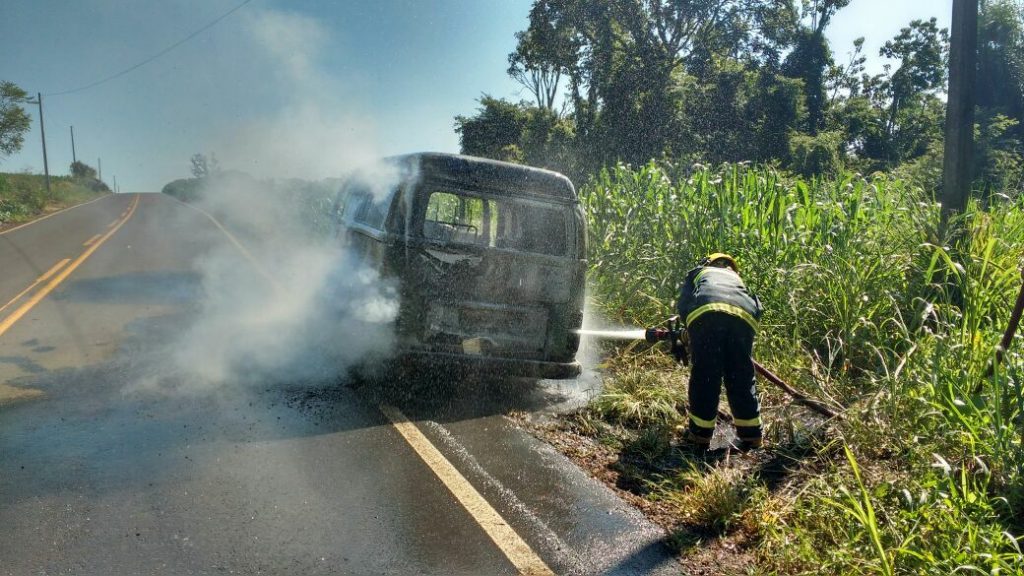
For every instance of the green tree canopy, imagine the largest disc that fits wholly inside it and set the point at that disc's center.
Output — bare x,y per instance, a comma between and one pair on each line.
730,80
1000,79
14,121
80,169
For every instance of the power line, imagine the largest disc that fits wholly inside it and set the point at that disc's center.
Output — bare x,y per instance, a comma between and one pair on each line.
155,56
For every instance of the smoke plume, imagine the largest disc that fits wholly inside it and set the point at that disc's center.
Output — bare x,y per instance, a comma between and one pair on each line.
281,299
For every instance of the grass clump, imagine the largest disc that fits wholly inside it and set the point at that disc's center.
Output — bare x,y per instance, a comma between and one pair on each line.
711,500
640,398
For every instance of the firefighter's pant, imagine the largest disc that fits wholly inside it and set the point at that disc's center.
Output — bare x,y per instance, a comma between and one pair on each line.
721,346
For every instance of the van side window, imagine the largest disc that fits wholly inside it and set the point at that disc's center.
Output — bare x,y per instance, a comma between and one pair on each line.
532,228
367,211
501,223
461,219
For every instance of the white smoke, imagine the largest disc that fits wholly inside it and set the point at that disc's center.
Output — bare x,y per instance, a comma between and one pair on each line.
280,299
322,125
303,308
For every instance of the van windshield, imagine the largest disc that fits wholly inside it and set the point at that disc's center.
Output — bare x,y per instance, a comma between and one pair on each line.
459,217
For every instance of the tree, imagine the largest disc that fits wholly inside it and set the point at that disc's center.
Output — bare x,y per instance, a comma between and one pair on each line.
740,113
496,130
520,133
999,85
998,155
922,49
846,80
183,189
203,167
14,121
624,62
999,96
80,169
544,53
815,155
896,116
811,58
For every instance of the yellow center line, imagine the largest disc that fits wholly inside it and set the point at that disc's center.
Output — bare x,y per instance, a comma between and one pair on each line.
526,561
112,224
6,324
508,541
38,281
91,240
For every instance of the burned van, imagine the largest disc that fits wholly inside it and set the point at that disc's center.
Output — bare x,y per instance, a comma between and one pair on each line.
489,258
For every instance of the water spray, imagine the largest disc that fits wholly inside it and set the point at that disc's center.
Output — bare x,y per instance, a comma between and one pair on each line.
624,334
674,332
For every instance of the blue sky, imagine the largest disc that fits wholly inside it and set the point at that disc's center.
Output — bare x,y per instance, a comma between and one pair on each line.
298,88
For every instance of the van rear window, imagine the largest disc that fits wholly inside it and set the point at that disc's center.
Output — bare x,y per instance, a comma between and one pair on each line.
511,224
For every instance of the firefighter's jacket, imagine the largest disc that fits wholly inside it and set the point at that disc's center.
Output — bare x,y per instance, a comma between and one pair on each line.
712,289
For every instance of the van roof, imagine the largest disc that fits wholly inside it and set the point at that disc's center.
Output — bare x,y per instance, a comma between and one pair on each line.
484,173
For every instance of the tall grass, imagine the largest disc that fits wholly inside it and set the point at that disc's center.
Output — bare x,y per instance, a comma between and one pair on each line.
24,196
865,304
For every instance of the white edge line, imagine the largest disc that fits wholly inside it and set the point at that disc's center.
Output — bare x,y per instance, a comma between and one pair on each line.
511,544
238,244
41,218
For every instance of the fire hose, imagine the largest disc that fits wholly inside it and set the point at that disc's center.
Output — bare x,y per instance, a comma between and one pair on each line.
1011,330
673,333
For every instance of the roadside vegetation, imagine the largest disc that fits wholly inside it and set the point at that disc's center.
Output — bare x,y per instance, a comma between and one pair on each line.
721,125
715,81
23,196
868,309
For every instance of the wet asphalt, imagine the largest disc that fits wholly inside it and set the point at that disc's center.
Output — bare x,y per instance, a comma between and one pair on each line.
113,463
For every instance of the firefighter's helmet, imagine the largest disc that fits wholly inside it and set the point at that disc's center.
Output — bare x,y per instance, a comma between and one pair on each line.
711,259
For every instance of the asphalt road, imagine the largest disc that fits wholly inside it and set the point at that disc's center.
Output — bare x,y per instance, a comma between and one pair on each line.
111,463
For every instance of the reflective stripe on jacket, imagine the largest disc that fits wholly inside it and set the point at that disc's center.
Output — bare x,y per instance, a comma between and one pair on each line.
712,289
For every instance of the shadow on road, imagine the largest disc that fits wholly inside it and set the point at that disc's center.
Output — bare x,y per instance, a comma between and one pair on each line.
102,423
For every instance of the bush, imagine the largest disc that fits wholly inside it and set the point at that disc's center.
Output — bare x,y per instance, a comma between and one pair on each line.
82,170
816,155
184,189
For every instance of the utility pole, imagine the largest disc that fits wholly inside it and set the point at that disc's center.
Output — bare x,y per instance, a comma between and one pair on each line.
42,132
73,157
99,168
956,166
115,184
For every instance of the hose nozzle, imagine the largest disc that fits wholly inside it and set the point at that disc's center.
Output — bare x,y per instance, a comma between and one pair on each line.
654,335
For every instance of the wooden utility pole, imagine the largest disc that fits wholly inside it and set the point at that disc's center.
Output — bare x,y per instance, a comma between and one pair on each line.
73,157
99,168
42,132
956,168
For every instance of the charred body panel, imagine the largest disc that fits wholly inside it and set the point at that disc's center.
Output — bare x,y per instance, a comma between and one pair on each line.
489,257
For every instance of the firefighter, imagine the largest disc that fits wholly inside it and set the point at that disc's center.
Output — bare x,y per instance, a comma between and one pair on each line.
720,315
